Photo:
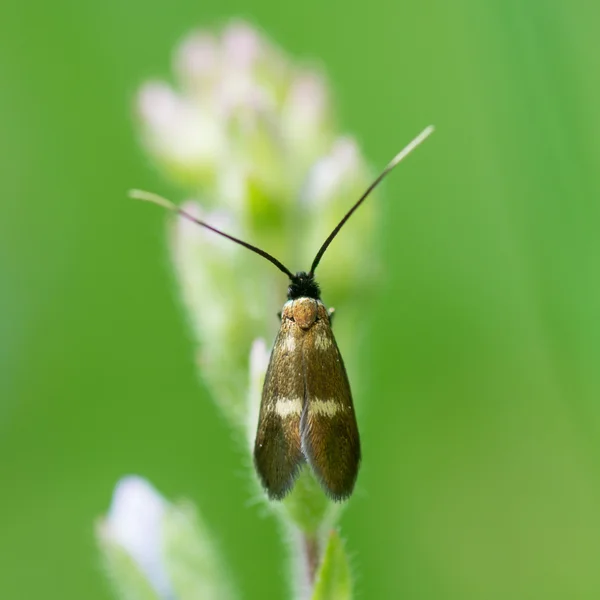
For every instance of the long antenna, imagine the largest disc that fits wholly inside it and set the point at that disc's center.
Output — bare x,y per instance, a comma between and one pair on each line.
156,199
402,154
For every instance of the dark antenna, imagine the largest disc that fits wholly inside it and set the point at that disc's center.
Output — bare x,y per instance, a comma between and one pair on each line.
160,201
156,199
402,154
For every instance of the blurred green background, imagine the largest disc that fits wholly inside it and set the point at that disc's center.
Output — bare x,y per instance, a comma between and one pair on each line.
481,414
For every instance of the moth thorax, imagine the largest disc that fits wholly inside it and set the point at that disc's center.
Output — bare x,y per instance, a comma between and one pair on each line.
303,311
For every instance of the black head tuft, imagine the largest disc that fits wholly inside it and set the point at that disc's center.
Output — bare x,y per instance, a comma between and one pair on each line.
303,285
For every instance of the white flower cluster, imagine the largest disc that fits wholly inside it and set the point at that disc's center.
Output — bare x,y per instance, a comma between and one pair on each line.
249,134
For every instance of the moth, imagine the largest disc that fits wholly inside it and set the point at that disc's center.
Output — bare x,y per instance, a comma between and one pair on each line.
306,413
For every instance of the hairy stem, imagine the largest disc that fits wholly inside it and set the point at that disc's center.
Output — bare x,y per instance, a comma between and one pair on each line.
312,556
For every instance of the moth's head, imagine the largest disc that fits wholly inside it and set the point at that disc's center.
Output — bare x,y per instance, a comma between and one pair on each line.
302,285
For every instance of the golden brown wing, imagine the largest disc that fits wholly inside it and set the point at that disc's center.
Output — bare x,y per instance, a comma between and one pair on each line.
277,450
328,427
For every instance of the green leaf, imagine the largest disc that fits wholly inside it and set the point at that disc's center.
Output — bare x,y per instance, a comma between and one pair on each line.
191,557
334,580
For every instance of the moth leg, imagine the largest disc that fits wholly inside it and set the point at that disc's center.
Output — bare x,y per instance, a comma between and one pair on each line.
331,312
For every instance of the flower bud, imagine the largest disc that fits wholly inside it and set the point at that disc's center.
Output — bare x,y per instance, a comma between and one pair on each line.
156,550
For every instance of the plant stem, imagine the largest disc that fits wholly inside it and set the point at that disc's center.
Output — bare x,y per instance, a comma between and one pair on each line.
311,552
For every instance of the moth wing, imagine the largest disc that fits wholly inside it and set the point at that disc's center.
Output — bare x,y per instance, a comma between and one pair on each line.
328,428
278,450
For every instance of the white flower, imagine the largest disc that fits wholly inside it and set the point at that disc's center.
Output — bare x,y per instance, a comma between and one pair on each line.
333,171
134,522
160,550
196,60
178,131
